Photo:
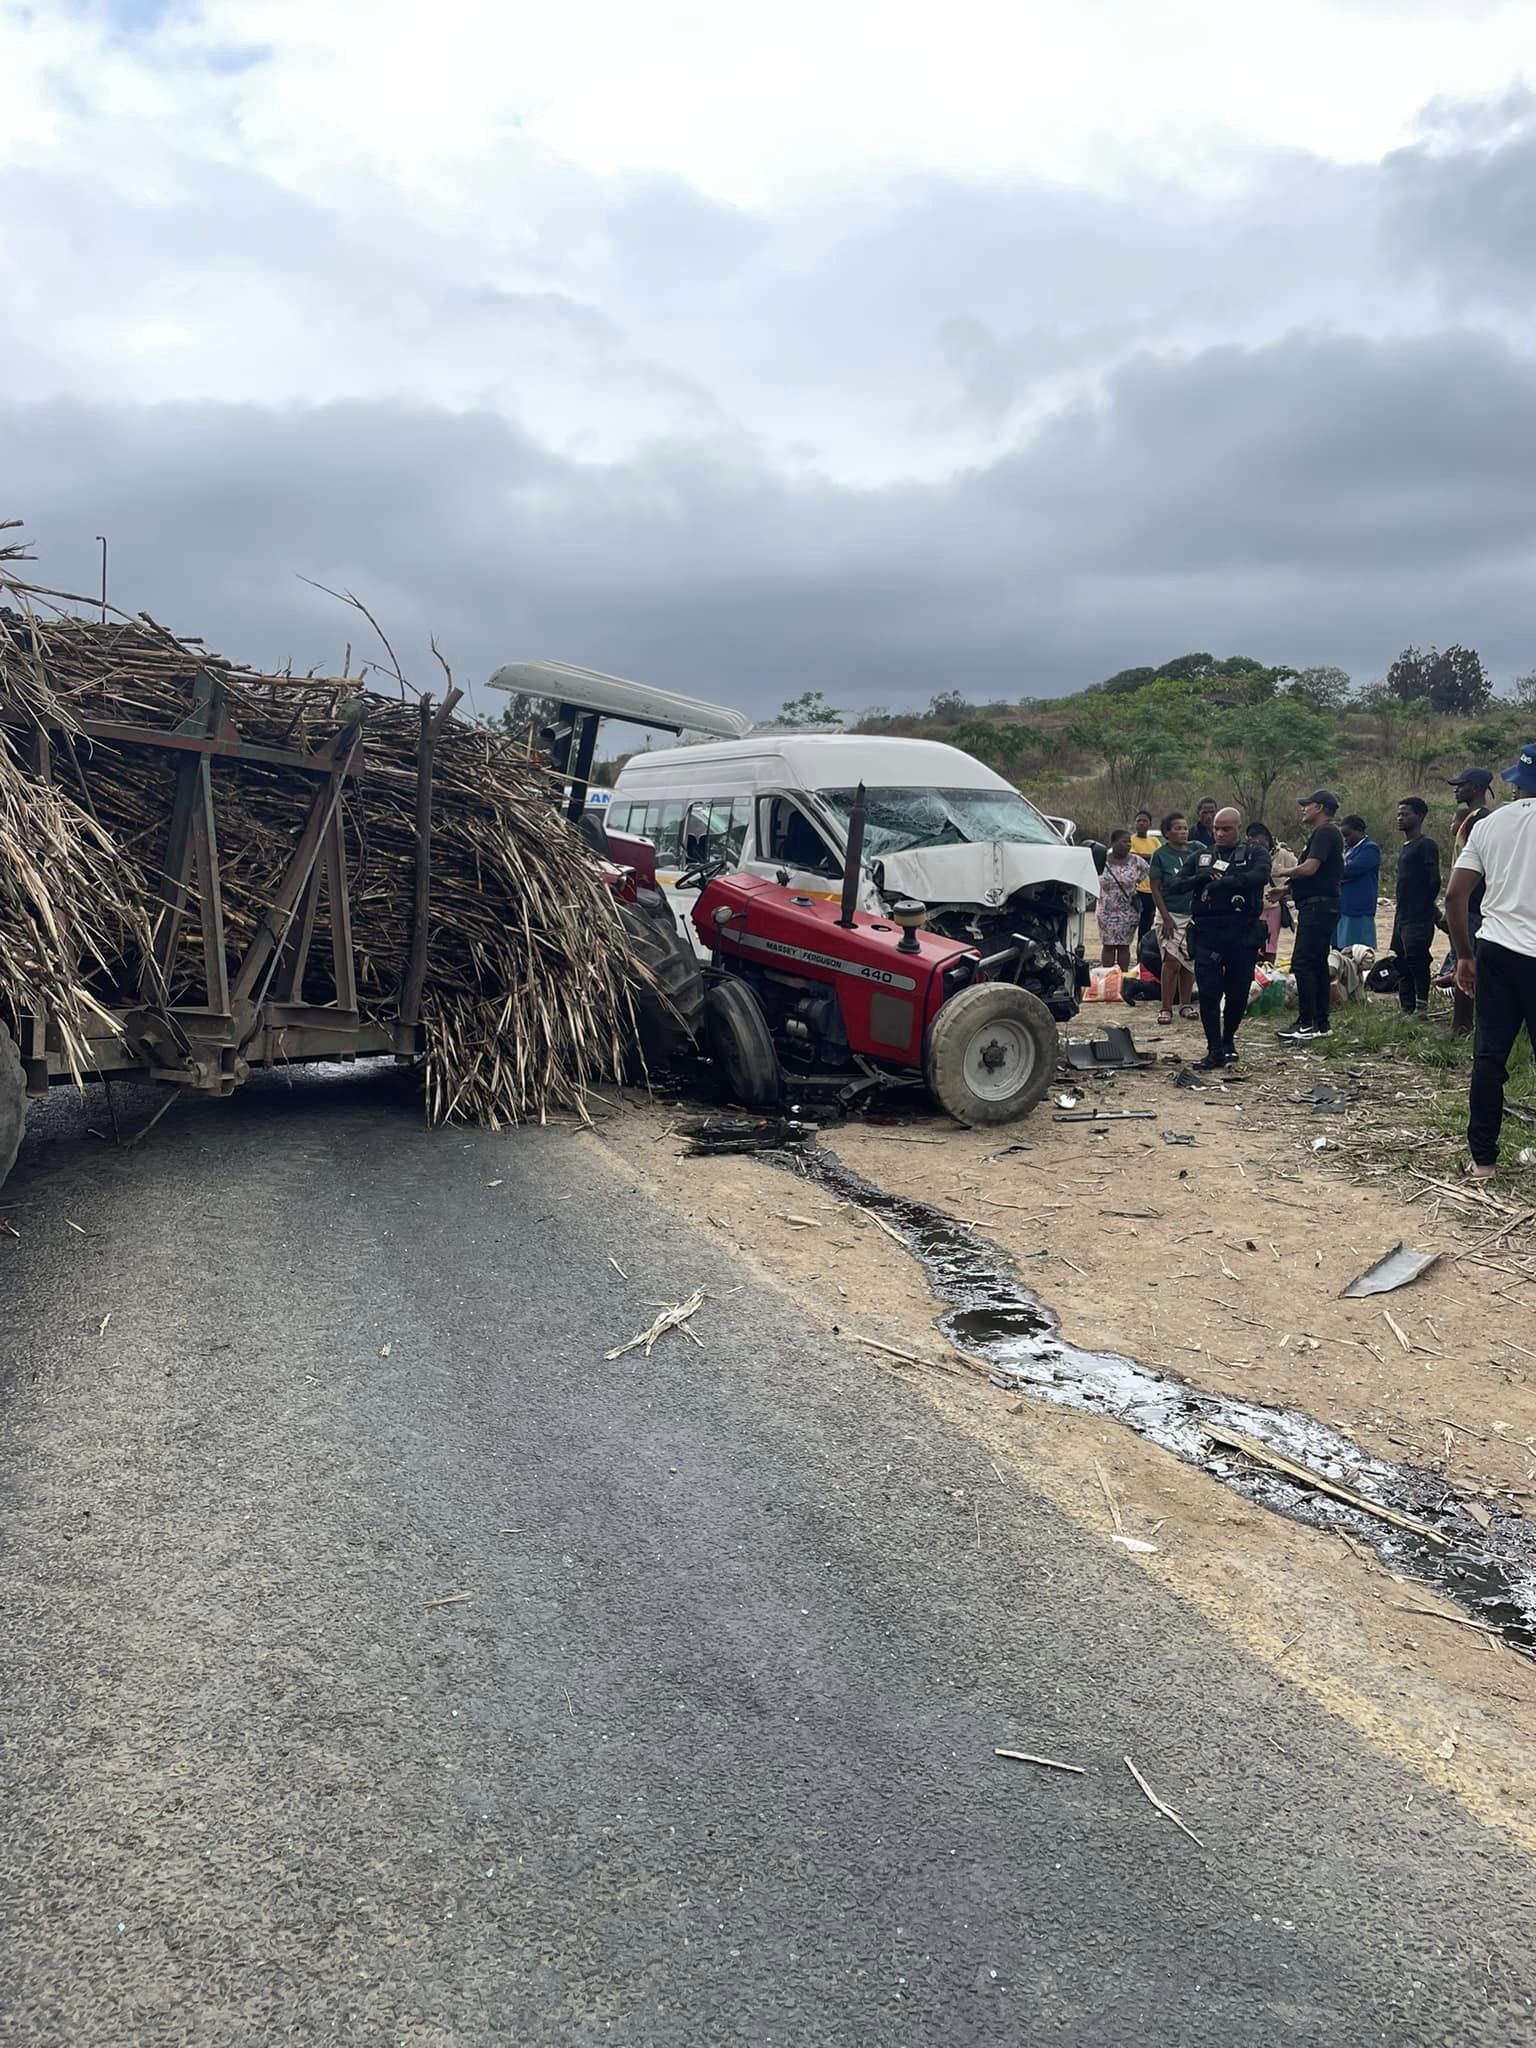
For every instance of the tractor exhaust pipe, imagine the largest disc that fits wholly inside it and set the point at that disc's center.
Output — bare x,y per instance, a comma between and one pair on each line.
853,866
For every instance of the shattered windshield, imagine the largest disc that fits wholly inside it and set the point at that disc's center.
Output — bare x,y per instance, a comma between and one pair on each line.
899,820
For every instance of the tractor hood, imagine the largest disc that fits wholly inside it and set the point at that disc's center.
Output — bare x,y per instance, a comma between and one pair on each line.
984,873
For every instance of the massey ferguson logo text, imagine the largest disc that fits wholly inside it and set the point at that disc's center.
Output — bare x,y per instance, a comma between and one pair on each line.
828,961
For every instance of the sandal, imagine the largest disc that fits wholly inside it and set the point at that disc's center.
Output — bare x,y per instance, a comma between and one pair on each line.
1475,1172
1165,1016
1189,1009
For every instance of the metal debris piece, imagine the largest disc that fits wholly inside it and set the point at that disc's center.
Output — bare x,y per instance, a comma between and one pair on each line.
1115,1048
1392,1270
1178,1137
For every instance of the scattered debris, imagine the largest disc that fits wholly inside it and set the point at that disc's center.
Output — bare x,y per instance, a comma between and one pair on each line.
716,1134
1166,1811
1114,1511
1392,1270
1178,1137
101,1327
385,1350
1106,1116
1137,1543
1261,1454
451,1600
1485,1628
1185,1078
617,1267
1046,1763
906,1357
673,1318
1396,1328
1066,1101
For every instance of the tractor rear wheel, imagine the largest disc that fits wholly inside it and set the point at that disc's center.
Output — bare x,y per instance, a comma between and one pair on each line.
990,1053
13,1102
669,1006
741,1046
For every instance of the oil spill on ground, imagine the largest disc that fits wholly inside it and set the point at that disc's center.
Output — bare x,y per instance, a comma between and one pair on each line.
1490,1575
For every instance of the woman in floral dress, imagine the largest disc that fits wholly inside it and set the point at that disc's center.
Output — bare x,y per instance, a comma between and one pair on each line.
1118,906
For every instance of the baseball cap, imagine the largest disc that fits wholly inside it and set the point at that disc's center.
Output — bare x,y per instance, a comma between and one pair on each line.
1325,797
1522,773
1483,777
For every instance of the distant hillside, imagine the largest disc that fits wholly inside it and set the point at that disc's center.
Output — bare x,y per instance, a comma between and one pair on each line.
1246,733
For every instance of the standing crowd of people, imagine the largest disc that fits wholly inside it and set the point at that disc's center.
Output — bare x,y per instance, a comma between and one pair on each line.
1207,903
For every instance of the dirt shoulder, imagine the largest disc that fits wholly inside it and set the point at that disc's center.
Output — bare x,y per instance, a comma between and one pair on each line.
1221,1264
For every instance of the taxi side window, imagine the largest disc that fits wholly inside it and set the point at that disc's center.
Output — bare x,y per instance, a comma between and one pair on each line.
665,832
786,835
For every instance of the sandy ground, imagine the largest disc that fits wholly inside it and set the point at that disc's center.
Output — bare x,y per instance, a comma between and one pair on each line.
1219,1263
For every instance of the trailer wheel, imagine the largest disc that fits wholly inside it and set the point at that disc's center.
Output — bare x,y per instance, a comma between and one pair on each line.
13,1102
669,1007
736,1032
990,1053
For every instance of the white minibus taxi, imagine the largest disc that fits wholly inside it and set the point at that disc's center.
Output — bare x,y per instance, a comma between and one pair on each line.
941,829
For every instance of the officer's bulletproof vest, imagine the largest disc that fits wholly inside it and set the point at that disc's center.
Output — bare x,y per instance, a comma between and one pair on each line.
1229,884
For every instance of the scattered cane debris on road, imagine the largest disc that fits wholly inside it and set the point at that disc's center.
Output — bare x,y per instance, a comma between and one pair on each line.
1046,1763
674,1317
1166,1811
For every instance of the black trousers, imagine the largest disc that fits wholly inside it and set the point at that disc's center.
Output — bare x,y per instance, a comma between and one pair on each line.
1315,926
1224,964
1411,943
1506,999
1145,912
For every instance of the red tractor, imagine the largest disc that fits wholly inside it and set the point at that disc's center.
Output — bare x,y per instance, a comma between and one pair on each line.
803,986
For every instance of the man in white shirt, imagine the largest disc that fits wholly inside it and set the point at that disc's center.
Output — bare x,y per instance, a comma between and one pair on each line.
1501,971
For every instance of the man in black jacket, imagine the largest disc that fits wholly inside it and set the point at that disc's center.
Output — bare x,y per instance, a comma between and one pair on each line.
1314,888
1226,929
1418,897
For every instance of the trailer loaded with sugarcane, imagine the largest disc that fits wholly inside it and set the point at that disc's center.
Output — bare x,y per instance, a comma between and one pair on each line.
205,871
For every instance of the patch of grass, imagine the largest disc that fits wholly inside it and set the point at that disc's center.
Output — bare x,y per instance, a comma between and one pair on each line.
1413,1111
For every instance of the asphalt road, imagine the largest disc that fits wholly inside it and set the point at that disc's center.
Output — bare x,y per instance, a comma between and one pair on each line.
706,1757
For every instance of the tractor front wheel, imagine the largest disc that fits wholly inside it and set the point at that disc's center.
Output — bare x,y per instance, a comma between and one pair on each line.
669,996
990,1053
13,1102
741,1046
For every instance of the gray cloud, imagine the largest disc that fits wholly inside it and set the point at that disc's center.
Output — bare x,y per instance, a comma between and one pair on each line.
1460,205
1315,499
1292,413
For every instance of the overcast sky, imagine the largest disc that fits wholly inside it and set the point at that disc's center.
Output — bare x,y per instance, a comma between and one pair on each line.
858,345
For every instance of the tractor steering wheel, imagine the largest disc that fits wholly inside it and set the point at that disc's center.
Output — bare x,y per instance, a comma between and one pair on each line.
701,872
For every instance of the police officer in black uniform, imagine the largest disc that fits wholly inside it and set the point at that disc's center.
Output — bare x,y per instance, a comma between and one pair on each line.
1226,930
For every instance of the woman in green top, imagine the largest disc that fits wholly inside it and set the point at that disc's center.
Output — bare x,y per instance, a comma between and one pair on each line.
1173,908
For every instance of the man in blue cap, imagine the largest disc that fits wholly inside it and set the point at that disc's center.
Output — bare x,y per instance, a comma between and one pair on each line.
1499,969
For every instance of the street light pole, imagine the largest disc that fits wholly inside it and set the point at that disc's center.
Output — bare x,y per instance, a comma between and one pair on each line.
103,540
